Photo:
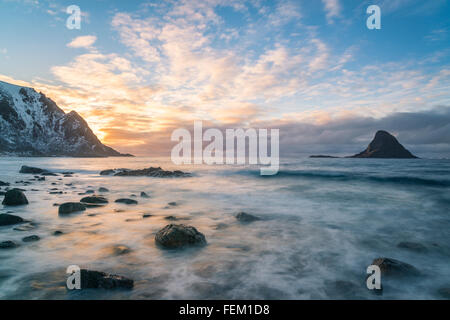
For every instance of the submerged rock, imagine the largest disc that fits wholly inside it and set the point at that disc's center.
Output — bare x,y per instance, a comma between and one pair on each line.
393,267
32,238
246,218
413,246
144,195
126,201
8,245
58,233
101,280
25,227
14,197
49,174
70,207
32,170
175,236
119,250
94,200
103,189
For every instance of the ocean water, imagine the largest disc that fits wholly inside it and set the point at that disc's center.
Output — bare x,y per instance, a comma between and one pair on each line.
323,222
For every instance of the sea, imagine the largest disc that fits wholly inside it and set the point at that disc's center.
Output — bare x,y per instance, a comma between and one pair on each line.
322,223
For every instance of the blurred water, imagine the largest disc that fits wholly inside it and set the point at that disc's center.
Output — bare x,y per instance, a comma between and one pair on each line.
324,221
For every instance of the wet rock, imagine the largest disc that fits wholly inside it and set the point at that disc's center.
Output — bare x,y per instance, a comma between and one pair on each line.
58,233
32,170
107,172
68,176
8,245
2,193
393,267
126,201
144,195
3,184
147,215
246,218
70,207
171,218
9,219
175,236
103,189
413,246
14,197
444,293
32,238
89,192
94,200
133,195
41,179
172,204
101,280
55,192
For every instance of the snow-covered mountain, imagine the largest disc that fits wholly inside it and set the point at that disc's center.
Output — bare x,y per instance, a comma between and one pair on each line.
33,125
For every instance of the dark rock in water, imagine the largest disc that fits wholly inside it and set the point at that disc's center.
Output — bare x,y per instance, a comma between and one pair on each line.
70,207
144,195
55,192
323,156
32,238
8,245
120,250
94,200
49,174
68,176
2,193
32,170
89,192
9,219
103,189
444,293
107,172
245,217
413,246
172,204
175,236
41,179
3,184
147,215
171,218
58,233
133,195
14,197
126,201
392,267
100,280
147,172
385,145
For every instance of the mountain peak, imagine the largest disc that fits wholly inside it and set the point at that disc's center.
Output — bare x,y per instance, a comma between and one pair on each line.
385,145
33,125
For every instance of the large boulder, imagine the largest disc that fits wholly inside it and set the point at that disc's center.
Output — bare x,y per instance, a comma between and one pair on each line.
14,197
175,236
70,207
393,267
9,219
101,280
32,170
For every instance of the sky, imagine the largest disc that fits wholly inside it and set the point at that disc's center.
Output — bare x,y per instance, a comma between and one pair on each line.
137,70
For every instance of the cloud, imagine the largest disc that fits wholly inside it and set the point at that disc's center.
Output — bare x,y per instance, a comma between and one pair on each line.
332,9
82,42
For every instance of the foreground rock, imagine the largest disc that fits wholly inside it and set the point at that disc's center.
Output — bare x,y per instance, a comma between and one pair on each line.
14,197
101,280
175,236
94,200
385,145
8,245
246,218
9,219
70,207
32,170
392,267
126,201
147,172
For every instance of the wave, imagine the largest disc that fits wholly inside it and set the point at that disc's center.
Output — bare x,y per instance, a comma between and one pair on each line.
352,176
